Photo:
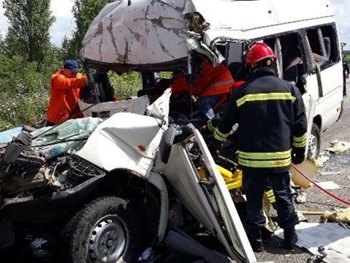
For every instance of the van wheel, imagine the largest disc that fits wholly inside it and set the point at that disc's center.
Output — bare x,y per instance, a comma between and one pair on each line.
314,143
102,231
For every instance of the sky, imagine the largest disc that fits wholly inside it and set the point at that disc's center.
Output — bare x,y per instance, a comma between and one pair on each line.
64,25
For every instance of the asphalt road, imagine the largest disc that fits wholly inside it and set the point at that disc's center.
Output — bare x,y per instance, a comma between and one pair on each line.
336,169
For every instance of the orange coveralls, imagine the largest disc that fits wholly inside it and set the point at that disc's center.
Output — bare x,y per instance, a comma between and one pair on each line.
212,81
64,96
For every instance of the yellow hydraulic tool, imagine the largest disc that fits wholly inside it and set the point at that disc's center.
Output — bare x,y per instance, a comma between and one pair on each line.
232,180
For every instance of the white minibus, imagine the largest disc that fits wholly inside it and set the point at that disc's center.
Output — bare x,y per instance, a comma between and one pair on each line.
302,33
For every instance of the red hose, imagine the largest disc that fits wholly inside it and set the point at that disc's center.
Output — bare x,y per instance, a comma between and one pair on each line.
319,187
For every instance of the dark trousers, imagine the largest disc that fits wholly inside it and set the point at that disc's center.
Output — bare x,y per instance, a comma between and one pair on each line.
344,86
206,105
254,186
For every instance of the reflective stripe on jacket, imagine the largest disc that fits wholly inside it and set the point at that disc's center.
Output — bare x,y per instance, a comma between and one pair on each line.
64,94
271,117
211,81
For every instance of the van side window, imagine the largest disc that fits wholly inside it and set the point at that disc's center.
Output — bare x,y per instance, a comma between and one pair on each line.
318,50
330,35
324,45
292,60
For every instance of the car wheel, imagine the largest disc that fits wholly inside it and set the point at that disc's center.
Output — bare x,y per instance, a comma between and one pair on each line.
314,143
103,231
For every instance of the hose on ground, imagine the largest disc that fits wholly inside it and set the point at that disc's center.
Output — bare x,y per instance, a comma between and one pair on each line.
321,188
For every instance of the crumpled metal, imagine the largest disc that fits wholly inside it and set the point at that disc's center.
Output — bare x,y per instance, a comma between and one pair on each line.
197,22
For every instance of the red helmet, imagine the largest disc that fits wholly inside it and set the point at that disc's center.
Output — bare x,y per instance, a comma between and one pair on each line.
258,52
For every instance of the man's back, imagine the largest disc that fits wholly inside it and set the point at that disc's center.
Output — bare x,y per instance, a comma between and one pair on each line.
64,94
210,81
268,120
266,109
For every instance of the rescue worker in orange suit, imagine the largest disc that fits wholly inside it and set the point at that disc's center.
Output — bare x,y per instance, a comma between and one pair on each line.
65,88
271,134
211,88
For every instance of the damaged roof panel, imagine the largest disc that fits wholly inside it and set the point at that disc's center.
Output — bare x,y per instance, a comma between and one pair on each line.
144,32
238,15
242,20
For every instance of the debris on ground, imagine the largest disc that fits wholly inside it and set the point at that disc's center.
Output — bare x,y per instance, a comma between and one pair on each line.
338,215
329,173
332,237
310,213
301,216
300,197
329,185
322,158
339,147
318,257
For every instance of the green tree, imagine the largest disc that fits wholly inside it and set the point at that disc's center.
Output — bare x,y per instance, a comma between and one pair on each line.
28,34
347,57
2,45
23,92
53,60
84,11
67,49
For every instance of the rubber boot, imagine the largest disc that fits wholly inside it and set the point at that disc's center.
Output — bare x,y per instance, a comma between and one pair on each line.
290,238
255,239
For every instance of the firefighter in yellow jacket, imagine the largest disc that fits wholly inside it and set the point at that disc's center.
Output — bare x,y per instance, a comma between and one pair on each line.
271,134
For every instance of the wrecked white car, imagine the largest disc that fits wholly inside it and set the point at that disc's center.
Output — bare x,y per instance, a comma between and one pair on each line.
135,178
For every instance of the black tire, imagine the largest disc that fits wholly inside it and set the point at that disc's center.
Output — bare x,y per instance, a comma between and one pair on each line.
314,143
103,224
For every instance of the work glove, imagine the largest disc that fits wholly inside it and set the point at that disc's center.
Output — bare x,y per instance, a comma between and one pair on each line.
215,147
298,155
209,127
